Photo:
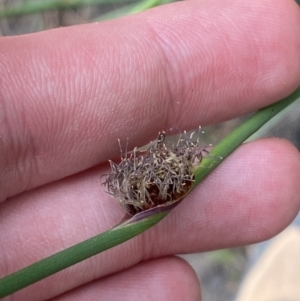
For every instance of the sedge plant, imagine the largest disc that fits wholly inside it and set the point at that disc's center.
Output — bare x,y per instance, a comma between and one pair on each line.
144,219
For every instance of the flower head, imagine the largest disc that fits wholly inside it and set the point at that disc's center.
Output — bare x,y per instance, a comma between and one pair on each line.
158,176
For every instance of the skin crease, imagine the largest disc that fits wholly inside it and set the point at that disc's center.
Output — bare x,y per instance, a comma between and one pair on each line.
66,95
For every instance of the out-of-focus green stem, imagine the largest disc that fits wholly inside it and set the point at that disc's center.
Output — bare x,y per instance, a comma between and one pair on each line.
130,9
41,6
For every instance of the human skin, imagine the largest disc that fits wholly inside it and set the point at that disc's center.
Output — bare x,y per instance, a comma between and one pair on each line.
67,95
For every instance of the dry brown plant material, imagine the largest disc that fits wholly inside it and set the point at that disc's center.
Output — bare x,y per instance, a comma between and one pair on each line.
158,176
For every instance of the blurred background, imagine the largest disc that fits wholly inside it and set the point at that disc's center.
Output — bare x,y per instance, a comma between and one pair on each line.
241,274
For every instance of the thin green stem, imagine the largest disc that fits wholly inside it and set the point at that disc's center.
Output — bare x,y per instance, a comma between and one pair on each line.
130,9
73,255
42,6
124,232
224,148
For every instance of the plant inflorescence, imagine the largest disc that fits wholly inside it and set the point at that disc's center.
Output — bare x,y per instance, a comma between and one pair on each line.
162,174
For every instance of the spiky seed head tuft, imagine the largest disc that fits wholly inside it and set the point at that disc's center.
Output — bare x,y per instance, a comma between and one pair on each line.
160,175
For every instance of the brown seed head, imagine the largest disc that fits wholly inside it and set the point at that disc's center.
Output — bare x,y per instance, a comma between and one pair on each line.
161,175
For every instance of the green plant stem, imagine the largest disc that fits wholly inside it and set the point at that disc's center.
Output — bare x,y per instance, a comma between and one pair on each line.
122,233
74,254
129,10
42,6
224,148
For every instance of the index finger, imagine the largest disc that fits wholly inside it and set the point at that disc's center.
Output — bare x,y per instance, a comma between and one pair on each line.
68,94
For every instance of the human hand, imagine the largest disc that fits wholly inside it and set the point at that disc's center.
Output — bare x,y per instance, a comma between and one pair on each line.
66,95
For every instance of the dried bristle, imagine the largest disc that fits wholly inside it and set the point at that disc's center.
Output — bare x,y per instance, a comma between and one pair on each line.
160,175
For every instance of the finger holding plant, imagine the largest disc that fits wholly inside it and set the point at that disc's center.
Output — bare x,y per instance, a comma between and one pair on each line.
63,119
